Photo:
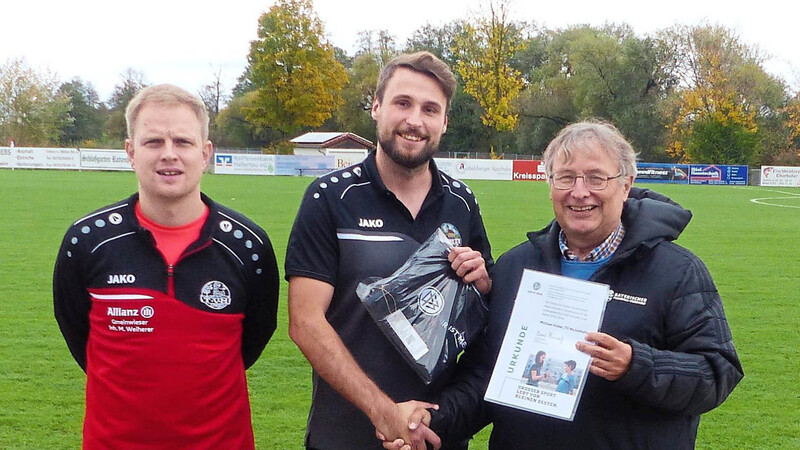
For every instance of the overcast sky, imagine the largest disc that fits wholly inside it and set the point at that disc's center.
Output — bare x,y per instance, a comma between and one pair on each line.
183,42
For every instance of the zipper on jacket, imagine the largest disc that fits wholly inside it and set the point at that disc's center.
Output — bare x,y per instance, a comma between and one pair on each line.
171,268
171,280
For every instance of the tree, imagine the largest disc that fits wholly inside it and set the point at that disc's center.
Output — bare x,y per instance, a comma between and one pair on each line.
354,113
131,82
484,51
439,41
380,44
623,78
32,112
296,76
87,114
233,130
586,72
214,97
725,100
548,104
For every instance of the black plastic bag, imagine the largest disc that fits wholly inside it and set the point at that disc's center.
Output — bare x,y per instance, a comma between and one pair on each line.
425,309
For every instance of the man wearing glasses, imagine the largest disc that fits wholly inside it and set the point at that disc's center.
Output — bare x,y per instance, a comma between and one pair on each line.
664,354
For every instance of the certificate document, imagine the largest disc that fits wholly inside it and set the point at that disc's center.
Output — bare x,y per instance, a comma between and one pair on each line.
538,368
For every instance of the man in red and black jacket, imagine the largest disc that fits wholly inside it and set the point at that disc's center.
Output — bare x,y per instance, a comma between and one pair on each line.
165,298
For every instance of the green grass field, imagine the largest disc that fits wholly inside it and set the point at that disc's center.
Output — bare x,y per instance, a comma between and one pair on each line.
751,249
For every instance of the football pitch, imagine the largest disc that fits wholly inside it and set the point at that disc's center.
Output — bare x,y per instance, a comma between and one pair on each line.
748,236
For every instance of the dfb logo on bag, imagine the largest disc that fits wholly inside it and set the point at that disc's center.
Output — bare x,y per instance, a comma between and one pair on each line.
431,301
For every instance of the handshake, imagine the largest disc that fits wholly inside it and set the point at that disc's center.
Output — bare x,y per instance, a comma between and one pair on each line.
408,428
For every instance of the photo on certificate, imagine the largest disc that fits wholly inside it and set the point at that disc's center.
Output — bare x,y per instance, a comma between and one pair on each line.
554,369
538,368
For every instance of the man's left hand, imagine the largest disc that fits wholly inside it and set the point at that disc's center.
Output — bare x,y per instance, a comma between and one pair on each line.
470,266
611,357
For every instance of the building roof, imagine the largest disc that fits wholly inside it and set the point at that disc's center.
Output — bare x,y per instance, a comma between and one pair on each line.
331,139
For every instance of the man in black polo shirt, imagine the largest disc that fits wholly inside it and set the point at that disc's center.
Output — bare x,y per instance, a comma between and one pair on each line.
365,221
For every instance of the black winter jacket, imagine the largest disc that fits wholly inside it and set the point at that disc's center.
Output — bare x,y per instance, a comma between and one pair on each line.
684,362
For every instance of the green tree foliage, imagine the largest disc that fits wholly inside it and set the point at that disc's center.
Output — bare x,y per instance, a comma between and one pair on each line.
439,41
378,43
354,113
233,130
485,50
717,140
549,102
588,72
32,112
621,78
214,97
465,131
294,70
87,114
375,49
725,97
131,82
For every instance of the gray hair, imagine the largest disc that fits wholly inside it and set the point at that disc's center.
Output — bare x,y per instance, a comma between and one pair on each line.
577,136
166,94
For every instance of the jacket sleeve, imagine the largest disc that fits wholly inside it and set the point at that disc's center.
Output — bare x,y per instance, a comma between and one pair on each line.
71,303
700,368
480,240
462,411
261,313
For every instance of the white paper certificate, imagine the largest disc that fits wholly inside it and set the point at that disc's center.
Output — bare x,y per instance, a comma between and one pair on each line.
538,368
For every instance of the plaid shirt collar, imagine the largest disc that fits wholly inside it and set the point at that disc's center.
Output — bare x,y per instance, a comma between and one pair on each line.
602,251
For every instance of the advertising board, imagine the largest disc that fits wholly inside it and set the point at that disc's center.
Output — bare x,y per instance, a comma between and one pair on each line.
244,164
7,157
662,173
780,176
718,174
104,159
304,165
529,170
476,169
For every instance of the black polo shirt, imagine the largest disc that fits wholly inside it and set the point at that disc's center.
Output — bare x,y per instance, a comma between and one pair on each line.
351,228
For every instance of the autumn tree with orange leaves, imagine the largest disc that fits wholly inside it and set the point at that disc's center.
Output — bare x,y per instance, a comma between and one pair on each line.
719,112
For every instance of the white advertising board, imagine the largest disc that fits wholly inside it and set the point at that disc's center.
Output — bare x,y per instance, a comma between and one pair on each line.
105,159
346,157
477,169
780,176
6,157
244,164
46,158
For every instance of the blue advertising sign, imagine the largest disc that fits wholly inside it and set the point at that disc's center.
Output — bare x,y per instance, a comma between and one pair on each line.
304,165
662,173
718,174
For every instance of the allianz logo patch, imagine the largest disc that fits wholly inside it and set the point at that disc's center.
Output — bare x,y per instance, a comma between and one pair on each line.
370,223
123,278
642,301
115,311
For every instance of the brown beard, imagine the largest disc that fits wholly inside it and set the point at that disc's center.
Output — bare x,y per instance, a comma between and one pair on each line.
402,159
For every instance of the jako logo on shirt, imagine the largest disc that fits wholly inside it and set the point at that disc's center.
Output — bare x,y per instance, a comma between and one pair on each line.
215,295
370,223
123,278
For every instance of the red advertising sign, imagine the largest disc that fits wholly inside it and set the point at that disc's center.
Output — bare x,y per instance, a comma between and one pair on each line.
530,170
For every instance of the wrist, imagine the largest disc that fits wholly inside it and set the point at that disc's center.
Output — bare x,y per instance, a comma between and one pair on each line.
381,411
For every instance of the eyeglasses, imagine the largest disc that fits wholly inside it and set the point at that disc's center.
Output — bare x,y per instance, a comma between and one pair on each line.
593,182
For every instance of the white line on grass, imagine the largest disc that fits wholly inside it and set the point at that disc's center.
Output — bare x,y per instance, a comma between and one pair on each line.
791,196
